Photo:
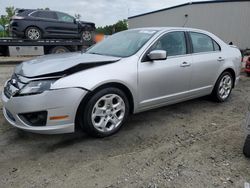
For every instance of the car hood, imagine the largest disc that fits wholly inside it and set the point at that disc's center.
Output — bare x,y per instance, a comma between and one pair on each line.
62,64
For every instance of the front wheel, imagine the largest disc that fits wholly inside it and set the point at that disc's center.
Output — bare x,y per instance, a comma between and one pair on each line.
104,113
223,87
87,36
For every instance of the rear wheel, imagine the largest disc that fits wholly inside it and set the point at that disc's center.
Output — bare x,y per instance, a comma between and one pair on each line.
248,74
223,87
33,33
104,113
59,50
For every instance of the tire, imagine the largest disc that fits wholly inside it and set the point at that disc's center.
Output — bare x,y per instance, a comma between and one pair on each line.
33,33
246,148
87,36
105,123
223,85
59,50
248,74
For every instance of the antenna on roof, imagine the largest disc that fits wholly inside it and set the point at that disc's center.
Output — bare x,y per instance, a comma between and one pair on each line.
186,20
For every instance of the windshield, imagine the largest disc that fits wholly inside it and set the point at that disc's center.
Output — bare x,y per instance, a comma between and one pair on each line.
123,44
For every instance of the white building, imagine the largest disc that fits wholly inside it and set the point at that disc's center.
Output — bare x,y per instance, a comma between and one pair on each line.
230,20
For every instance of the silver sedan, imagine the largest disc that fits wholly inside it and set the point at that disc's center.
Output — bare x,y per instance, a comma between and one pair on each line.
129,72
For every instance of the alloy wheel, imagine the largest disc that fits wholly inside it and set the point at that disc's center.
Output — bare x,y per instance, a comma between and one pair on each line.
86,35
33,34
225,87
108,113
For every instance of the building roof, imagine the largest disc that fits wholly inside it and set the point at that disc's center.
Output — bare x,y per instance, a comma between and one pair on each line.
190,3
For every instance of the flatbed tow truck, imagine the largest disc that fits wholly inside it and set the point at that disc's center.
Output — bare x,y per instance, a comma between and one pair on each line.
24,47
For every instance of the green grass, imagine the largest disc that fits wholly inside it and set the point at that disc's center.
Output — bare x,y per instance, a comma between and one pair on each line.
3,34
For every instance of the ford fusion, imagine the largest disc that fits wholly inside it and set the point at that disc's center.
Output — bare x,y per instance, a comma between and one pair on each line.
129,72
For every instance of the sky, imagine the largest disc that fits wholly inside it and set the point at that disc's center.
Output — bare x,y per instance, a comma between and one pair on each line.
101,12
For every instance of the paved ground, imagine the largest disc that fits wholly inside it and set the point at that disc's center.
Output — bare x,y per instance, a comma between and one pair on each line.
192,144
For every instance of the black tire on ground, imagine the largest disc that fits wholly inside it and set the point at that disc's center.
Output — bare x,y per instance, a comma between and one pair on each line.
37,34
215,94
248,74
246,148
85,111
58,50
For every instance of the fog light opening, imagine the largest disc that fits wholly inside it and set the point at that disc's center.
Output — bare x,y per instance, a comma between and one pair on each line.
34,118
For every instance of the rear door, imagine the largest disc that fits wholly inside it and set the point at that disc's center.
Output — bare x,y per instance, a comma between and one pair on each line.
207,59
45,20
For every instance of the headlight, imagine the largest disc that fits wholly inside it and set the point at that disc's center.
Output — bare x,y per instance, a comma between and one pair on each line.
36,87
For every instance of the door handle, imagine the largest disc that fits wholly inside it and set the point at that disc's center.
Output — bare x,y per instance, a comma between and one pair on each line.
185,64
220,59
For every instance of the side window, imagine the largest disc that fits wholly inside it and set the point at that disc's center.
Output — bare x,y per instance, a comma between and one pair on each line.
35,14
201,42
174,43
64,17
44,14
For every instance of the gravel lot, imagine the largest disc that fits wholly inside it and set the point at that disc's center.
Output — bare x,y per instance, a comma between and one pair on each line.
192,144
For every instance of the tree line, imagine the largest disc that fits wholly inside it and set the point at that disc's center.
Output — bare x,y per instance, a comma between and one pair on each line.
111,29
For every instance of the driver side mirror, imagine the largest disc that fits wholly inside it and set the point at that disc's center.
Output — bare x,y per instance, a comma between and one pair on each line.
75,21
157,55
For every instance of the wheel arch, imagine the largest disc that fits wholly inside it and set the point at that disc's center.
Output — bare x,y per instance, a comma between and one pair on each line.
34,26
120,86
232,72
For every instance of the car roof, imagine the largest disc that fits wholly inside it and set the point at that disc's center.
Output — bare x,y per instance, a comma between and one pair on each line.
163,29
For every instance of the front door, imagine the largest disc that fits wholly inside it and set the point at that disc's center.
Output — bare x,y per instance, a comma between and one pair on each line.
165,81
66,25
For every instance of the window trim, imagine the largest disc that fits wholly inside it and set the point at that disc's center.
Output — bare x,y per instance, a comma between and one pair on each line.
188,45
192,45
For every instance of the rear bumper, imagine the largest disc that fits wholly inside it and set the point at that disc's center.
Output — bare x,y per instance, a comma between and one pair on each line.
63,102
237,81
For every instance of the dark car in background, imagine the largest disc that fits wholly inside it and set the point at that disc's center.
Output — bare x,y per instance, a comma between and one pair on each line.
42,24
247,69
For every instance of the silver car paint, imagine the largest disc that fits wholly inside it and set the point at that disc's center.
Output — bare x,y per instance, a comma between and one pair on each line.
56,102
148,93
49,64
152,84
